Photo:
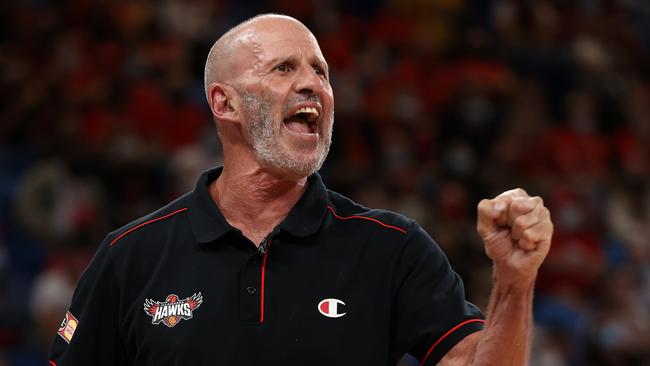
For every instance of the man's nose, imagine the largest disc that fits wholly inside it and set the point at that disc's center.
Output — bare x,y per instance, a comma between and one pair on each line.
308,81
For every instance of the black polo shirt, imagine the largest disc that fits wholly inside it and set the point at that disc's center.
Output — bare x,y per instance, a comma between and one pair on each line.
334,284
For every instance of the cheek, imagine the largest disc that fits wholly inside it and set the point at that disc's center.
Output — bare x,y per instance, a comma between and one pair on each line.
327,97
275,94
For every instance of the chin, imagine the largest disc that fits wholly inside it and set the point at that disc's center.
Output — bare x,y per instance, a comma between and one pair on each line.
294,169
299,170
292,162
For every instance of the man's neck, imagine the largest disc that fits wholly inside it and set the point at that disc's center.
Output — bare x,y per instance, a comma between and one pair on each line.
254,200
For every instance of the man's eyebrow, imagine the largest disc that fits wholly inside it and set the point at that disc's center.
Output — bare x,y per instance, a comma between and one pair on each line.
277,60
314,60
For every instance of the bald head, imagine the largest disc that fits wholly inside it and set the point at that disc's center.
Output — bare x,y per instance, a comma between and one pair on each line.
226,57
267,84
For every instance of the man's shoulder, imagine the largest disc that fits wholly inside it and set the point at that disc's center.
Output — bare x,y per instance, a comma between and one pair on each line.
344,208
151,224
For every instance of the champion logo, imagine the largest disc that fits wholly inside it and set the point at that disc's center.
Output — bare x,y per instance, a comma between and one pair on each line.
172,310
330,308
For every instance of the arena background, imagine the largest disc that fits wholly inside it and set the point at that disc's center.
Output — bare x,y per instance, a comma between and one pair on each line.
438,104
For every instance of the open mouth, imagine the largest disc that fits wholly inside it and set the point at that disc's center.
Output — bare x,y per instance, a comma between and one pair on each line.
304,120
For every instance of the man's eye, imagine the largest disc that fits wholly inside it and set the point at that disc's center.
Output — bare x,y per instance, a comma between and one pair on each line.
283,67
319,71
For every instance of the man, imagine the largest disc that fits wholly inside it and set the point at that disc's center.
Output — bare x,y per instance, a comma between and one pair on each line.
260,264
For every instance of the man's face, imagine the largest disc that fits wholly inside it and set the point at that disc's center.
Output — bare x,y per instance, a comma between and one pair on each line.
287,101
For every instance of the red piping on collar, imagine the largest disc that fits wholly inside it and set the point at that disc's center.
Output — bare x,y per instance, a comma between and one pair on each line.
144,224
403,231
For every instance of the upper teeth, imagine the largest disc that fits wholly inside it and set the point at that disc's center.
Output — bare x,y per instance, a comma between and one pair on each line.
310,110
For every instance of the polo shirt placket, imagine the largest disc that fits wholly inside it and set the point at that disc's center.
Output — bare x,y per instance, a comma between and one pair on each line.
252,285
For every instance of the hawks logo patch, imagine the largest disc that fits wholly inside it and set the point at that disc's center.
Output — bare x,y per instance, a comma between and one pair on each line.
172,310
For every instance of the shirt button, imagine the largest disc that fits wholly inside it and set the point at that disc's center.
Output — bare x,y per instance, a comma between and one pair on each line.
251,290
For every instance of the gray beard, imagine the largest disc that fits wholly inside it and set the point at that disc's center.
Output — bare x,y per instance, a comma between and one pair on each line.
264,140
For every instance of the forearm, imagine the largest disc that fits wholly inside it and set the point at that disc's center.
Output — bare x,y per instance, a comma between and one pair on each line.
516,230
506,338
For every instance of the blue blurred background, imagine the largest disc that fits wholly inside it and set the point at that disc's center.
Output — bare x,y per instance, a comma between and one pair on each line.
439,103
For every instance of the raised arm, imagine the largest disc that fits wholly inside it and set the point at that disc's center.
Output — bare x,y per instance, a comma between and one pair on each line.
516,230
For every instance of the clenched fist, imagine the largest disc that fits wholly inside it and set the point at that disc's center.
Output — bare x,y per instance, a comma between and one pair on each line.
516,230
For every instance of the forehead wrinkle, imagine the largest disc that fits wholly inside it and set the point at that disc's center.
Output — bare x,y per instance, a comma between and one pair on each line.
225,60
296,52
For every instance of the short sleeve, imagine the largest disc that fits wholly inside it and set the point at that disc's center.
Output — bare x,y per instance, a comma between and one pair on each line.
431,314
89,332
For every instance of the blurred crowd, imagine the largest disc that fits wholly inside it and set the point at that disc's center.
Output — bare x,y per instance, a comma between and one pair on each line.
439,103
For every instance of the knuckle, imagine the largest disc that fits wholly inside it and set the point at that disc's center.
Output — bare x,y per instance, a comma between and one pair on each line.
481,229
483,205
511,193
521,204
526,243
520,222
530,235
549,228
521,192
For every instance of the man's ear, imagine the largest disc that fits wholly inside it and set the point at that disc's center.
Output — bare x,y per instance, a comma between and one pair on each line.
220,99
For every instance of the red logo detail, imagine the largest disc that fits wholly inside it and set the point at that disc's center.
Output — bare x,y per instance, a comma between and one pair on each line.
68,327
330,308
172,310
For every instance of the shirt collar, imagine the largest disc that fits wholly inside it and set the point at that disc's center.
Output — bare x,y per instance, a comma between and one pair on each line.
209,224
